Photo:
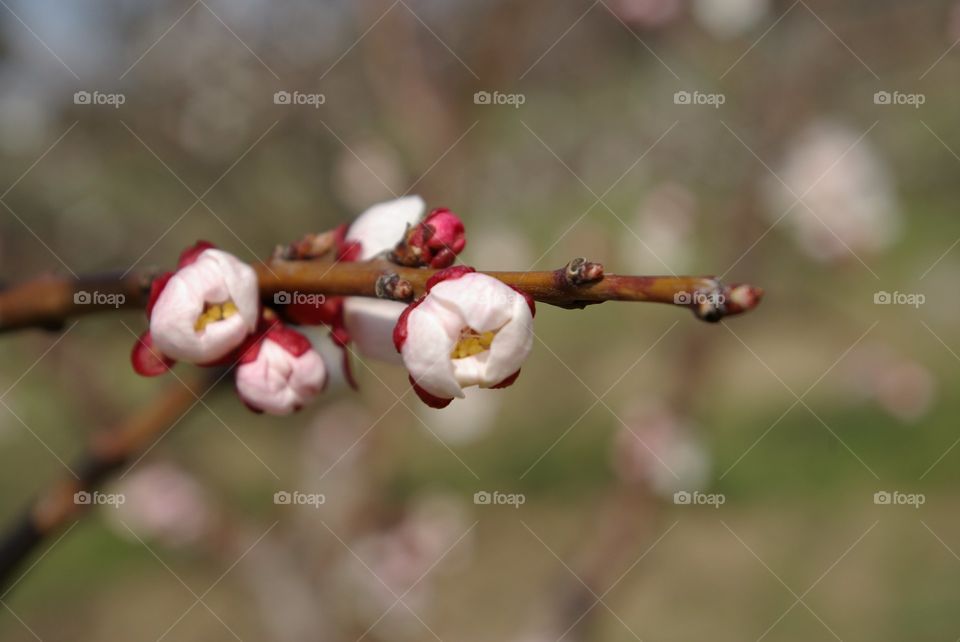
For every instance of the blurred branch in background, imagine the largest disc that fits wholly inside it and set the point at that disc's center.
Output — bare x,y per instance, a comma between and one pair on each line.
108,452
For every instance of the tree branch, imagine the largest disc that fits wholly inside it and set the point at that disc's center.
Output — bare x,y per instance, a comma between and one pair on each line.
49,301
107,453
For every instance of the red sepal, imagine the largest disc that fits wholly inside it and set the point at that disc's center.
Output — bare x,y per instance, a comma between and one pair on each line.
427,398
508,381
147,360
454,272
190,254
156,288
341,338
445,257
400,330
531,303
289,339
347,251
348,369
329,313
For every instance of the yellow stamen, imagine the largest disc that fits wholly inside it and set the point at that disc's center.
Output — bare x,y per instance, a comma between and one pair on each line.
471,343
213,312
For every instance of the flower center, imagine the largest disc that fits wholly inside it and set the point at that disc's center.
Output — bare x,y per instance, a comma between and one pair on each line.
213,312
471,342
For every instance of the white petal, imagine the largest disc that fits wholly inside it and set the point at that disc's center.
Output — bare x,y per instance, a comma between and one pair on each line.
241,283
382,226
215,277
370,323
511,346
432,332
487,304
483,302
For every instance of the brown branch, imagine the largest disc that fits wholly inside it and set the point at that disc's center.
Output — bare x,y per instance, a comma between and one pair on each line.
49,301
107,453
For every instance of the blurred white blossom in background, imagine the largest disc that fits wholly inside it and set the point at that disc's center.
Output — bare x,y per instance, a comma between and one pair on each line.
406,559
161,502
659,449
725,19
648,14
903,387
332,460
665,224
25,116
471,418
854,206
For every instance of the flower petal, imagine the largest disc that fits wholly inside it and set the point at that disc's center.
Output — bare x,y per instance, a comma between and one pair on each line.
382,226
370,323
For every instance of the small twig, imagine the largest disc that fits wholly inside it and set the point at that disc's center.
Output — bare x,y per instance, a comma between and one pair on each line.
108,452
48,302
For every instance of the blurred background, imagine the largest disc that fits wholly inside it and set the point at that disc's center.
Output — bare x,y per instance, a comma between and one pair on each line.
787,475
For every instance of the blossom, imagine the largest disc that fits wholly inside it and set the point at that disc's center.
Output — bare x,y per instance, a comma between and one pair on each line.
280,372
370,323
665,225
903,387
200,313
432,240
431,536
725,19
648,14
658,449
398,227
469,329
382,226
849,203
164,503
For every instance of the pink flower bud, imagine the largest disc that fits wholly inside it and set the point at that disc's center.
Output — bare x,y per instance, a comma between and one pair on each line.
439,238
281,372
205,310
469,329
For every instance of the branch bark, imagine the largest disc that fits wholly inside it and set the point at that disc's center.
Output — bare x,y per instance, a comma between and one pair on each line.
49,301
